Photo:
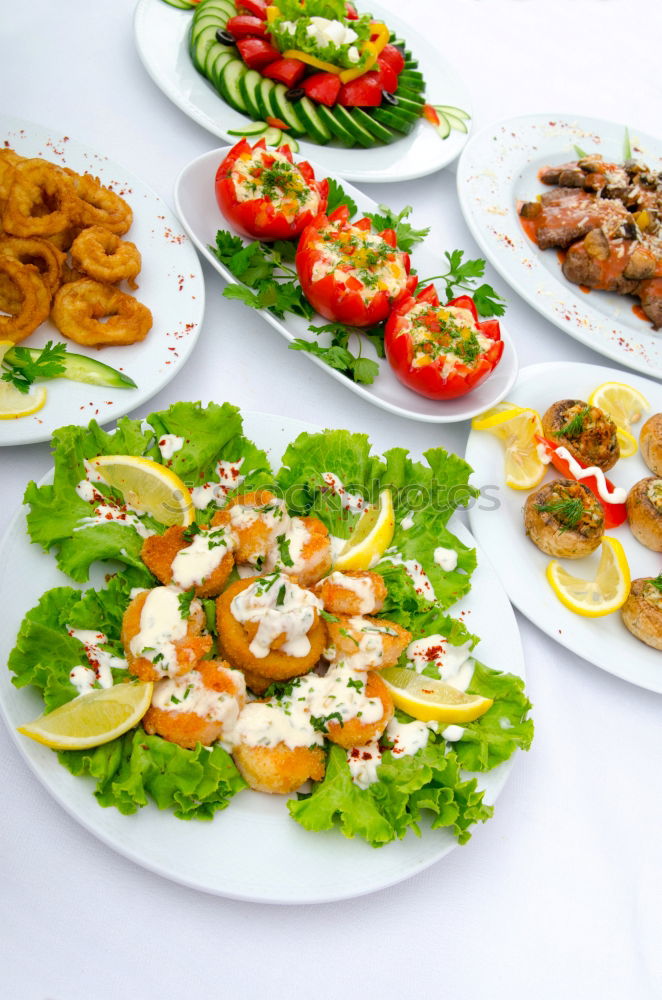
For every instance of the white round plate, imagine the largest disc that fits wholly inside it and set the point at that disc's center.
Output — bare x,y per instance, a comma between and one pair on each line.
170,284
201,217
498,168
497,524
253,850
162,38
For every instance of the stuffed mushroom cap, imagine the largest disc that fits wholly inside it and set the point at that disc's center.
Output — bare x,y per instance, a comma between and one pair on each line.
586,431
644,507
564,519
650,442
642,612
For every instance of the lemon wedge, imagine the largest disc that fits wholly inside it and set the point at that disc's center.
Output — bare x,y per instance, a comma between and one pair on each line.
148,487
606,592
13,402
430,700
92,719
626,406
371,536
517,427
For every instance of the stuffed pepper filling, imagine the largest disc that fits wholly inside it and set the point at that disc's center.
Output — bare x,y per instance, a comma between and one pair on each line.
259,173
362,261
447,334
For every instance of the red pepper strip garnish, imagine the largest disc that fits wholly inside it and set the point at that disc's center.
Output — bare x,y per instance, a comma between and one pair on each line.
615,513
277,123
430,114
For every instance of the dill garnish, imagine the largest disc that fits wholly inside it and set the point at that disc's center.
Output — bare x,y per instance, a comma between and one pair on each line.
568,512
575,425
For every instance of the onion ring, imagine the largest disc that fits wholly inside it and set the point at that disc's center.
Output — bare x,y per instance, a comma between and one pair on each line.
96,205
39,200
93,314
105,257
40,253
8,160
34,300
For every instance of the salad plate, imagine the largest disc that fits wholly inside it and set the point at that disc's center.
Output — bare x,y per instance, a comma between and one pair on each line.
253,850
170,284
161,34
499,168
196,205
520,565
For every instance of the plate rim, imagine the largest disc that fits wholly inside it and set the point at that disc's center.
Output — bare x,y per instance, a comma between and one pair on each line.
15,531
512,275
362,391
358,175
190,264
526,373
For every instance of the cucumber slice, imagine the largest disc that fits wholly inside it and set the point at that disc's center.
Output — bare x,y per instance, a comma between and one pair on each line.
380,132
334,125
213,21
443,128
263,96
348,120
253,130
448,109
411,80
216,60
413,96
286,110
413,107
180,4
248,85
77,367
199,47
289,140
231,75
395,118
315,127
273,136
224,7
457,123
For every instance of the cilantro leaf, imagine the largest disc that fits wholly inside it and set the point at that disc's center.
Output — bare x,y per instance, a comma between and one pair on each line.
49,363
406,236
461,277
184,601
338,196
357,369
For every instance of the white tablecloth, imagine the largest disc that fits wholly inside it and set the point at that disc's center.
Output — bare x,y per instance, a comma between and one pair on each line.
559,894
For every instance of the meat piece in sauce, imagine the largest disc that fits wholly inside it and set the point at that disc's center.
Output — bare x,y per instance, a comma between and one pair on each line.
567,214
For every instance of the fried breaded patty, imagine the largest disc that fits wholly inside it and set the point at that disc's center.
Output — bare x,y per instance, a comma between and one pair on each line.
356,733
279,770
159,551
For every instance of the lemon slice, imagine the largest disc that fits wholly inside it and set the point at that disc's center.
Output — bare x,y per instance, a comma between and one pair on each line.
371,536
607,592
626,406
517,428
92,719
427,699
148,487
15,404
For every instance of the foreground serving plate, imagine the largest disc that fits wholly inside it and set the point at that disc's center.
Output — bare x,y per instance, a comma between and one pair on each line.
201,217
498,167
520,565
161,34
253,850
170,284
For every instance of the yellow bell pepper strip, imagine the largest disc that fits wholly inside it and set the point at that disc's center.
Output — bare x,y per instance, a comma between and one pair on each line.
312,61
373,47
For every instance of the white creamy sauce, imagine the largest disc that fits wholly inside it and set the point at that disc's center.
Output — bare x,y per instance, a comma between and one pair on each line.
362,586
279,607
88,492
407,521
229,478
363,763
368,638
169,444
617,495
337,697
189,693
161,625
454,663
107,512
272,515
414,570
445,558
99,672
195,563
353,502
407,737
452,733
287,549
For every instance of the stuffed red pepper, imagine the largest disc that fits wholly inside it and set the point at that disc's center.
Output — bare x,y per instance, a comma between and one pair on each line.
348,273
441,351
265,195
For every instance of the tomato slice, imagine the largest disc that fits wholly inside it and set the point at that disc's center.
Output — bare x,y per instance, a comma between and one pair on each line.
615,513
256,52
245,25
364,92
287,71
351,12
388,78
323,88
256,7
394,57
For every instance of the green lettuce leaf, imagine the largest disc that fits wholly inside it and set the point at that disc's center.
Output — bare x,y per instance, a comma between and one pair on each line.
503,729
193,783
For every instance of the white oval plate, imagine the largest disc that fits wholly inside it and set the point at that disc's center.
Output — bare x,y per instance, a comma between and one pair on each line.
498,167
201,217
161,35
521,566
170,283
253,850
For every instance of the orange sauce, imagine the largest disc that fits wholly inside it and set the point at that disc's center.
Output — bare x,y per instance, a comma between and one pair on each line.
561,256
530,227
639,313
584,288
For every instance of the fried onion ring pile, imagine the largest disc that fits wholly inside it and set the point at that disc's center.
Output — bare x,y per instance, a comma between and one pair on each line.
47,211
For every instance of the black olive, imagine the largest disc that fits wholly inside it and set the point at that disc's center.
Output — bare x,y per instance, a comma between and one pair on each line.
295,93
224,37
388,98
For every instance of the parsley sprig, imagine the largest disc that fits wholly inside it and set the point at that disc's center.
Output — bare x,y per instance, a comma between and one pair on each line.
406,236
461,277
267,280
338,354
49,363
